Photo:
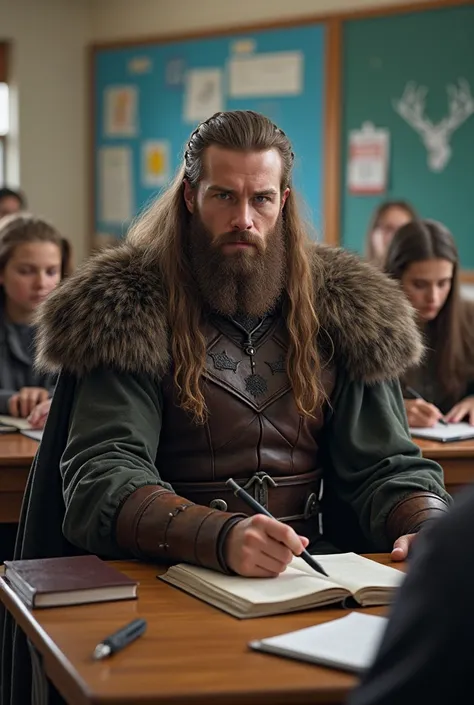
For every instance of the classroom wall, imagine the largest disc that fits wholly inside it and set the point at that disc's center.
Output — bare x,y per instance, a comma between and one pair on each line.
48,145
117,19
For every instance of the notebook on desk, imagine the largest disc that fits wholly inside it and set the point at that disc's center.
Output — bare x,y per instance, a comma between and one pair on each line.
349,643
297,588
445,434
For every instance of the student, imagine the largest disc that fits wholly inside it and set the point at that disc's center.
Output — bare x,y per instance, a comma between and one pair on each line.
424,258
11,201
426,653
33,259
385,221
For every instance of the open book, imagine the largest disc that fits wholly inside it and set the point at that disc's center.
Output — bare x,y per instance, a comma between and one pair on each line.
298,588
445,433
349,643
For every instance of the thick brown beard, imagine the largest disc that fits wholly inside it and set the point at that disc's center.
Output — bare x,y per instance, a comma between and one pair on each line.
244,282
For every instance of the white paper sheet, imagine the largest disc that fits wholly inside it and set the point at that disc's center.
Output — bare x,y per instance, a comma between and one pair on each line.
155,162
272,74
120,111
115,185
349,643
203,94
439,432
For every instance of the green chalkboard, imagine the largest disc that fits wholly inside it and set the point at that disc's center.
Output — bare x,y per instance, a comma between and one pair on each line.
432,49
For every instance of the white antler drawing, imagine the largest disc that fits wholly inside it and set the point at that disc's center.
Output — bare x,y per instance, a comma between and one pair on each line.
411,107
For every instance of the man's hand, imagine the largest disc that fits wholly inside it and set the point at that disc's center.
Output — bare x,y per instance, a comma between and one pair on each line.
402,546
464,408
260,547
23,402
421,414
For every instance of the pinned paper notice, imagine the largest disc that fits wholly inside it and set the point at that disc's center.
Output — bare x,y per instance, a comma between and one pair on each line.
120,111
275,74
367,167
203,96
155,162
115,185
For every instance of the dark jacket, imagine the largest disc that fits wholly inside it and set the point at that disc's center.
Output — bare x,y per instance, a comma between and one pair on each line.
424,377
426,654
106,328
17,362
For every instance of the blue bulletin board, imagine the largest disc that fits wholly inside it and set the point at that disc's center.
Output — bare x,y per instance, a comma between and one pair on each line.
431,54
149,97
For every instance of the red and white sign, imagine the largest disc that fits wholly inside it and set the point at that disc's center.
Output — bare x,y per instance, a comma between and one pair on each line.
368,160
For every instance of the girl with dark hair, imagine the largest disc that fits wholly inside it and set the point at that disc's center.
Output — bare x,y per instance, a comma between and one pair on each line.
424,258
385,221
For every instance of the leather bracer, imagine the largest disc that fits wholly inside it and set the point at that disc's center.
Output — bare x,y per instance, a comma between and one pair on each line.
408,516
156,523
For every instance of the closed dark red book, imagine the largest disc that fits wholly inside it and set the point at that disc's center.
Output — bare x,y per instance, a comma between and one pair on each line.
75,580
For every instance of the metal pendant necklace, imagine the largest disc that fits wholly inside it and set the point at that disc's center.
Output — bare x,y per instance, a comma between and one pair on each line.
255,384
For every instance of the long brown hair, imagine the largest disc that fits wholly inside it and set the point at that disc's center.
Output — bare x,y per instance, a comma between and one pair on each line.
446,336
162,231
381,210
19,228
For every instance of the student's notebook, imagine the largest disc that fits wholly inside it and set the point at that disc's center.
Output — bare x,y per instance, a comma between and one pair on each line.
15,422
445,434
22,425
349,643
298,588
74,580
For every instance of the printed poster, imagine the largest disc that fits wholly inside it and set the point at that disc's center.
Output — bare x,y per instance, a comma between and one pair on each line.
368,160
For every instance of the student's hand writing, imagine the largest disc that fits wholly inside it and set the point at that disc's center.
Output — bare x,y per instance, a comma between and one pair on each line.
23,402
38,416
421,414
464,408
261,547
402,546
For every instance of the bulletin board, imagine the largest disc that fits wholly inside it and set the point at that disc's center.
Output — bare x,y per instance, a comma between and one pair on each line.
148,98
413,57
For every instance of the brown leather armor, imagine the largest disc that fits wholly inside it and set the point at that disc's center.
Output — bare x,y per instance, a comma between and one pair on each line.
253,433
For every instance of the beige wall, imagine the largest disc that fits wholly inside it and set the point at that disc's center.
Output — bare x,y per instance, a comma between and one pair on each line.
112,19
47,148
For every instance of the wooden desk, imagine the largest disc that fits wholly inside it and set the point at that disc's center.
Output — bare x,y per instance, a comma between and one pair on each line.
16,455
191,654
456,459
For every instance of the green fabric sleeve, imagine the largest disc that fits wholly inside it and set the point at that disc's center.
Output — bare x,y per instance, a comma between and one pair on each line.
112,442
375,464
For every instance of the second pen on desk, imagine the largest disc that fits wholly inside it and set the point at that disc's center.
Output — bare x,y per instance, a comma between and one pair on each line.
257,507
417,395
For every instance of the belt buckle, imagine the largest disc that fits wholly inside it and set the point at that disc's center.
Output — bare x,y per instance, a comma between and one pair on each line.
258,486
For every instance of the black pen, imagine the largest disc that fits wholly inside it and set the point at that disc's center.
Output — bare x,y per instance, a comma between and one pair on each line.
121,638
417,395
257,507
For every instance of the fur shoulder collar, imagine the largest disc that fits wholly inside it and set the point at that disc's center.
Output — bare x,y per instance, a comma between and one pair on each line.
112,311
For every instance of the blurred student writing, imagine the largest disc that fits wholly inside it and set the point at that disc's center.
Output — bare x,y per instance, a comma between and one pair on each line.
424,258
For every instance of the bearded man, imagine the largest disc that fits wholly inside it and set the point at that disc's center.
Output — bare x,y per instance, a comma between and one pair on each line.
219,341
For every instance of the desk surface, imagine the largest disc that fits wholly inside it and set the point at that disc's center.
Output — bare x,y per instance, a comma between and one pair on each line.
16,450
438,451
191,654
16,455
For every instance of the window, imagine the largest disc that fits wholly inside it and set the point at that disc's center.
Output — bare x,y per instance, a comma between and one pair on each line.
4,108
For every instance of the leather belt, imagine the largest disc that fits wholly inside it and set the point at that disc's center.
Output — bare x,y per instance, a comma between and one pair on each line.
291,498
